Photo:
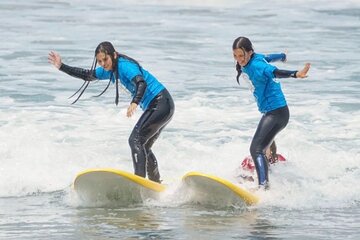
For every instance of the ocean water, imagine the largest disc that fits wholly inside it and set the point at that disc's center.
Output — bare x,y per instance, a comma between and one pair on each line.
45,141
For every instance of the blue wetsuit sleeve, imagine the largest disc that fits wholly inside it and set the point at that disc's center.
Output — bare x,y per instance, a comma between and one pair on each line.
85,74
129,70
275,57
269,71
102,74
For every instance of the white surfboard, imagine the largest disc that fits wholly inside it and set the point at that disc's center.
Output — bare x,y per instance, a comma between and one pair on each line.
206,189
116,187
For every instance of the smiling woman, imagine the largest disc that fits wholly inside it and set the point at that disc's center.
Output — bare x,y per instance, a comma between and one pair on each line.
104,61
269,97
145,89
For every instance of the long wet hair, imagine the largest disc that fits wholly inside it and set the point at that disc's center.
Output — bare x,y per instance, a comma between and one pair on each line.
245,44
108,49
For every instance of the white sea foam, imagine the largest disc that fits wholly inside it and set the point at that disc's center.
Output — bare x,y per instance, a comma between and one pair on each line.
45,141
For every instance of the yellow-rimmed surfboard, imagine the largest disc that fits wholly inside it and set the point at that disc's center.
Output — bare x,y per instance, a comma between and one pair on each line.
211,190
102,186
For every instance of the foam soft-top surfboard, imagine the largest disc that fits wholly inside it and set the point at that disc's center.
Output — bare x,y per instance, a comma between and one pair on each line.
211,190
105,185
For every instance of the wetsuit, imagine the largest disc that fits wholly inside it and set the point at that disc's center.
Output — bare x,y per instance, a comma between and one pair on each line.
152,97
271,103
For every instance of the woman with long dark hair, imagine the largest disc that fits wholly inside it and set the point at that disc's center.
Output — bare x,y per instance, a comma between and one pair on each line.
145,90
269,98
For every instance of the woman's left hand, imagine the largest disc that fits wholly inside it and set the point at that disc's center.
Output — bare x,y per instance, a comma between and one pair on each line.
131,109
303,72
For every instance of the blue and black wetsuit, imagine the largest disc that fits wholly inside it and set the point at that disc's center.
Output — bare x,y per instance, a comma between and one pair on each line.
152,97
271,103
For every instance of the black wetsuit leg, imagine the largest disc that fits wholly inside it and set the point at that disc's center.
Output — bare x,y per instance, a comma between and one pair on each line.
270,124
147,130
152,164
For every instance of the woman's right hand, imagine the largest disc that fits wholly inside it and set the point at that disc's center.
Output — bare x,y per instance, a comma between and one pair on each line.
55,59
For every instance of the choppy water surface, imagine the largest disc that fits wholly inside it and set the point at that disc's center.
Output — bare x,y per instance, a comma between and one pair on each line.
45,141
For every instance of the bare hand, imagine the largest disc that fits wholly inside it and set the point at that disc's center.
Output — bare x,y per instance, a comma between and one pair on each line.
131,109
303,73
55,59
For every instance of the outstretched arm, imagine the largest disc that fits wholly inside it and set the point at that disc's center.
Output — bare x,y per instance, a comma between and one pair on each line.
294,74
87,75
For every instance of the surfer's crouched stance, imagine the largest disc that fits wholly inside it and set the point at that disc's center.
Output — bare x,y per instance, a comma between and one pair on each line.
269,97
145,90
